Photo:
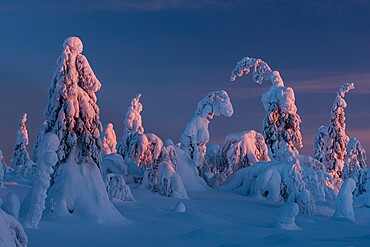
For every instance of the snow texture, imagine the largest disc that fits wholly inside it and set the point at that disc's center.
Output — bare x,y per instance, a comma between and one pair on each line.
336,146
12,205
47,159
343,204
319,143
109,140
281,125
11,231
21,161
196,134
241,150
355,165
72,113
286,217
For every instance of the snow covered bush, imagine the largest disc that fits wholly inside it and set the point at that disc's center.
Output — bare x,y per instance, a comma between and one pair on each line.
286,217
117,188
77,187
241,150
12,205
336,146
169,182
281,125
319,143
11,231
275,181
109,140
21,161
343,204
47,159
196,135
114,163
355,165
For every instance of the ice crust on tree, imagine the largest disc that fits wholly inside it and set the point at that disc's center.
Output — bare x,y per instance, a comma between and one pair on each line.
281,125
47,159
21,161
355,165
77,191
319,143
109,140
241,150
343,204
336,146
196,134
11,231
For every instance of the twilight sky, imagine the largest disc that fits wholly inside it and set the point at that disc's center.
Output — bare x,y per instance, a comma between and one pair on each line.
175,52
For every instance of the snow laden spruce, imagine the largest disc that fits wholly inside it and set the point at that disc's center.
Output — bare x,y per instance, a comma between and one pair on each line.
149,160
76,189
21,161
109,140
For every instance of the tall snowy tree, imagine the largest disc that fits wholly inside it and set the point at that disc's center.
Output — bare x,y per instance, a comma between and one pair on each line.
133,129
319,143
77,188
21,161
196,135
355,165
281,125
336,146
109,140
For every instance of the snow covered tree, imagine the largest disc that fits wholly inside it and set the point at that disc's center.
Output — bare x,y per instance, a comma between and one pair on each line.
281,125
12,233
286,217
47,159
336,146
133,130
21,161
343,204
319,143
241,150
77,188
109,140
196,135
355,165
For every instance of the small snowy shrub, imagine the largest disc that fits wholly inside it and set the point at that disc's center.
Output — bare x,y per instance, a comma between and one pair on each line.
114,163
281,125
241,150
343,204
109,140
355,165
319,143
117,188
11,205
305,201
286,217
11,231
196,135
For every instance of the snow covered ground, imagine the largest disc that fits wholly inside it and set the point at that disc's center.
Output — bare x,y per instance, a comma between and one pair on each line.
211,218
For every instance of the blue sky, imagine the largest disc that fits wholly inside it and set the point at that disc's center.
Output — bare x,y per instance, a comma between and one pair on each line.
175,52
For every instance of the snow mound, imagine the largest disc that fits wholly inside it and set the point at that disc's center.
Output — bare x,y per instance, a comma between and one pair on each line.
286,217
343,204
180,208
68,198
